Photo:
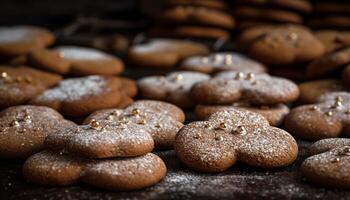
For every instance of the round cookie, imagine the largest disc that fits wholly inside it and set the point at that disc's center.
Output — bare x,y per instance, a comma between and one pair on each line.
123,174
78,97
217,62
164,53
198,16
256,89
19,85
79,61
174,87
296,5
230,136
330,166
276,15
311,91
274,114
329,63
20,40
161,120
23,129
328,118
332,39
281,45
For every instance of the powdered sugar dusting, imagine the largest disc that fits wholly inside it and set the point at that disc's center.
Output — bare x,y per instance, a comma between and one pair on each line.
81,53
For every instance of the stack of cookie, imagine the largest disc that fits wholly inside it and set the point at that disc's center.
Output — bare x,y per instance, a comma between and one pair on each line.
111,150
194,19
331,15
250,13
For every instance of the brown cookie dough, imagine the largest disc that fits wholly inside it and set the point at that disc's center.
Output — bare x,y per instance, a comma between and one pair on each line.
217,62
329,163
235,135
164,53
119,174
257,89
328,118
274,114
78,61
23,129
174,88
20,40
281,45
78,97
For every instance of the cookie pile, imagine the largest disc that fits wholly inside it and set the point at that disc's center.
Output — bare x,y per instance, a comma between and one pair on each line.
111,150
250,13
330,15
206,19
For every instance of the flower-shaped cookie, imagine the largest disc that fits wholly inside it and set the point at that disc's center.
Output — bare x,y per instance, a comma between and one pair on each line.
174,87
258,89
23,129
47,168
329,117
121,133
329,164
228,136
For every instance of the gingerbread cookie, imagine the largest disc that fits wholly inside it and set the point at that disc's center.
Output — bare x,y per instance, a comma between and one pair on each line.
281,45
174,87
164,53
226,61
78,97
18,85
274,114
311,91
269,14
161,120
235,135
296,5
256,89
79,61
329,117
198,16
47,168
23,129
329,163
20,40
333,40
329,63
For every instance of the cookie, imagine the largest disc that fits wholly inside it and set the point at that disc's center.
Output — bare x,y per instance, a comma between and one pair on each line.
23,129
235,135
102,140
256,89
329,163
199,16
20,40
270,14
190,31
296,5
274,114
80,61
119,174
173,88
311,91
164,53
281,45
78,97
329,63
346,76
20,85
200,3
332,39
161,120
227,61
327,118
